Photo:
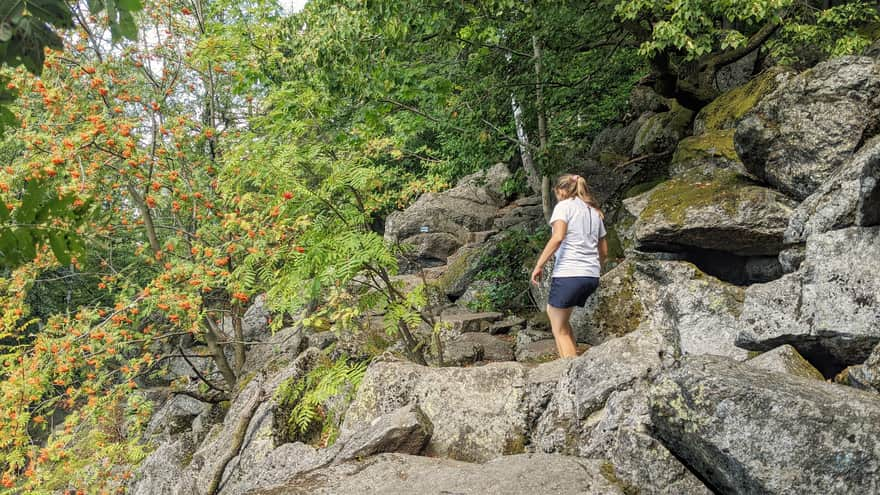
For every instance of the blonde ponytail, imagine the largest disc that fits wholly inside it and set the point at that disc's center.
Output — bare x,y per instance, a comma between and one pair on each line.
570,185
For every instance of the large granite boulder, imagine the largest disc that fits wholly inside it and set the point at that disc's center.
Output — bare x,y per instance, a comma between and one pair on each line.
621,433
450,216
728,109
586,385
717,209
697,312
478,413
828,309
800,134
523,474
263,460
748,430
598,410
851,196
405,430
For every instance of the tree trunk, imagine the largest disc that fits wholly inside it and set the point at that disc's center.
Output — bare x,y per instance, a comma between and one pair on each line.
238,345
532,175
148,219
211,333
546,199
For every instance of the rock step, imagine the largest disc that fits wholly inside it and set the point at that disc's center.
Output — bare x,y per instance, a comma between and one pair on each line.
522,474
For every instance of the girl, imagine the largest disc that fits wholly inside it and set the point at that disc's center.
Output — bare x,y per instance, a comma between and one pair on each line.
579,235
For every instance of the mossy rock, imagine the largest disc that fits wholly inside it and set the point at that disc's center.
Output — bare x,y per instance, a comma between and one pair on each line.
714,148
661,132
727,110
717,209
618,308
672,199
643,187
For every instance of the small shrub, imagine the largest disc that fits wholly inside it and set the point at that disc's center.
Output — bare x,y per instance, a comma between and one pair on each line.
304,403
508,269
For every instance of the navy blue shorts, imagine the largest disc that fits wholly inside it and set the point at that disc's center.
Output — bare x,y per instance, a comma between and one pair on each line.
566,292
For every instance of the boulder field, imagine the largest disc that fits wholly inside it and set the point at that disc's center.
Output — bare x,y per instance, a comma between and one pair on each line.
733,346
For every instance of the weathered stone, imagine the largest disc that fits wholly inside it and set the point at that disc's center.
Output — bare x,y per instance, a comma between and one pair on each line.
468,207
539,350
463,266
828,309
282,345
712,149
661,132
175,416
475,296
262,461
695,311
622,434
255,321
160,472
466,321
587,383
321,340
800,134
738,73
405,430
726,111
474,347
644,99
851,196
507,324
785,359
715,209
524,216
432,248
523,474
865,376
478,413
747,430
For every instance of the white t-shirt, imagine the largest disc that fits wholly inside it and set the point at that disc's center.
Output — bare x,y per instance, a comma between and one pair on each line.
578,255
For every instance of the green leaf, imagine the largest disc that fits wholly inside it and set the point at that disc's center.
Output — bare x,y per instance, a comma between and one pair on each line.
127,26
59,247
129,5
55,12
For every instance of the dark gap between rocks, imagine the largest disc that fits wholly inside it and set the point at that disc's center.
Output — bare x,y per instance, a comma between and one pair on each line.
822,360
727,267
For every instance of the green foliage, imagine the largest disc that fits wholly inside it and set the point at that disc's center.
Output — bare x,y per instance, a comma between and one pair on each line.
508,269
693,30
515,185
27,27
694,27
304,401
41,217
830,32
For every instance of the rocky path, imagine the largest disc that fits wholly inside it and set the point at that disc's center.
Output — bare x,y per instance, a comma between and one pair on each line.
734,349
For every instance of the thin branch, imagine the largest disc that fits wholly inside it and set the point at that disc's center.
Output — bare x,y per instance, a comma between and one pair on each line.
199,373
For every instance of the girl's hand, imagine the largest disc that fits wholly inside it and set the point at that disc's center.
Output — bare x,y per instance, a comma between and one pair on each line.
536,275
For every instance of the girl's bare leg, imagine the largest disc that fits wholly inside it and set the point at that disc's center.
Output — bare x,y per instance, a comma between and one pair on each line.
562,332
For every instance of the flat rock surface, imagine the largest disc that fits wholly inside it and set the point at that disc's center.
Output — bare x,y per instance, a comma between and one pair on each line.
523,474
747,430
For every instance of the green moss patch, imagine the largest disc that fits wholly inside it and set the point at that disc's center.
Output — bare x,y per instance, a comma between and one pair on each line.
672,199
706,147
619,310
725,111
